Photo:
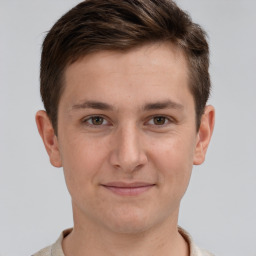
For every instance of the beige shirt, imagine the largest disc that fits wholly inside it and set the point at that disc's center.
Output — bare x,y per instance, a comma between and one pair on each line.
56,248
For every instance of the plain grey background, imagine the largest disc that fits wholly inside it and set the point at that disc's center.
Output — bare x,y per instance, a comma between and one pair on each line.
219,208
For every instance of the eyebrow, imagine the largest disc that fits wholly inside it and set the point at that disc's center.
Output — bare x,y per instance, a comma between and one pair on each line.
93,105
163,105
167,104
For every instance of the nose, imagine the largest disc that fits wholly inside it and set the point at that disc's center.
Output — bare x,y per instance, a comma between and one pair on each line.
128,154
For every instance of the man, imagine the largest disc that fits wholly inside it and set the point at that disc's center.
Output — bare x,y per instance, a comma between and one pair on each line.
125,86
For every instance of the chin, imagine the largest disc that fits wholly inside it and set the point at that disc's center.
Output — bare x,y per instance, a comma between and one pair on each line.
130,222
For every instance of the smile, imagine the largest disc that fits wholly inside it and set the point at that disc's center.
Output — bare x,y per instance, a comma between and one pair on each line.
128,189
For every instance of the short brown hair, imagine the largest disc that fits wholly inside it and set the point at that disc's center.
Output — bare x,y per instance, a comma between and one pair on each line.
96,25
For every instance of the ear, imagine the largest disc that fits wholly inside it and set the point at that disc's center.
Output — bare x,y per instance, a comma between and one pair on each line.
204,135
46,131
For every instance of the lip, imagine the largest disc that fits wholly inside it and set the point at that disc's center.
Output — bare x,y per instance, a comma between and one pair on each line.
128,189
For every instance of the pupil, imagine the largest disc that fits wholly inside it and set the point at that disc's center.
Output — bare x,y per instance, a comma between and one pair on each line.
159,120
97,120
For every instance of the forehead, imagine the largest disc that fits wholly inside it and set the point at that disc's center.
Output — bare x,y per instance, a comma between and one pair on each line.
145,70
153,55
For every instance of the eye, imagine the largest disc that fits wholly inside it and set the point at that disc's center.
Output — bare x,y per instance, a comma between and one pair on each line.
95,121
159,120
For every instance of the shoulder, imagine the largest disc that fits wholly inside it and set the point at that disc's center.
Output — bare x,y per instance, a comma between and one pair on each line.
201,252
44,252
194,249
56,248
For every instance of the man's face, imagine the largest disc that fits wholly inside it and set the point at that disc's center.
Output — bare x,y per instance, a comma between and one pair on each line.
127,137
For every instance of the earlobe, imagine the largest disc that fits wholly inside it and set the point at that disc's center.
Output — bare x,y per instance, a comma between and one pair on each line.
49,138
204,135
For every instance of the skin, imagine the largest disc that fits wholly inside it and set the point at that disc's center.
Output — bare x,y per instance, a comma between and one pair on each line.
127,120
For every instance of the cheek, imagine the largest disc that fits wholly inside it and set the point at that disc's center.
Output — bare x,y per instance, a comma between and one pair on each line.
174,161
82,159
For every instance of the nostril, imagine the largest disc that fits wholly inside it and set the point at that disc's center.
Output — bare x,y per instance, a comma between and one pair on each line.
128,163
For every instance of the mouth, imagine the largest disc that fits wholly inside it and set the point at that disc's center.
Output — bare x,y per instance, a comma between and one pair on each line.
128,189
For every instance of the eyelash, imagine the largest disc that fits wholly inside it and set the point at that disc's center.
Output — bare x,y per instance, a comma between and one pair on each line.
89,121
167,120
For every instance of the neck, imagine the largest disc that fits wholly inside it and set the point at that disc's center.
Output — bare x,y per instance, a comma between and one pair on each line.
88,239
